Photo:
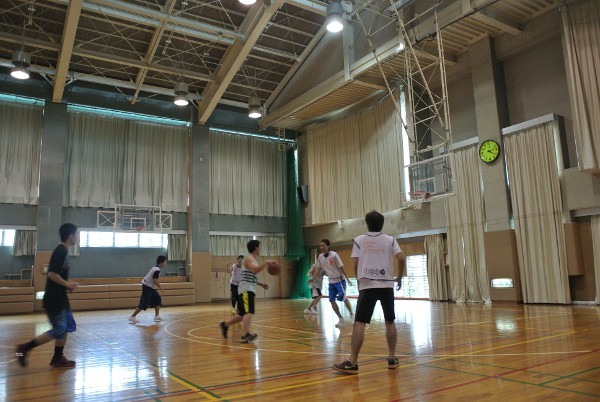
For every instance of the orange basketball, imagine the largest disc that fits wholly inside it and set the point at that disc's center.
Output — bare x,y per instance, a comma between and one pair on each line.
274,268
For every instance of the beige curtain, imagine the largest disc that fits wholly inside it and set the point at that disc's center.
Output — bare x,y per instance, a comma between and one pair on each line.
596,249
272,246
227,245
355,164
465,223
20,153
436,268
177,247
581,21
247,175
25,243
112,161
533,173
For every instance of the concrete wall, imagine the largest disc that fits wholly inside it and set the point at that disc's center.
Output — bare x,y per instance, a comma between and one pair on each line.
536,85
100,262
9,264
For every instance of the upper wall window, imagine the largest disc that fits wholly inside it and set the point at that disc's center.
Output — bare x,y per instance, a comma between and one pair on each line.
7,237
123,239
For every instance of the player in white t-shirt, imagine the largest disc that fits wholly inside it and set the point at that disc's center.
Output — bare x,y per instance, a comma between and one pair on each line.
330,262
150,296
236,274
373,255
316,284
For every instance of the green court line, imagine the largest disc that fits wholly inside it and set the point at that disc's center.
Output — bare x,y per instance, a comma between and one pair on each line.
513,380
184,380
504,367
547,387
453,370
571,376
151,395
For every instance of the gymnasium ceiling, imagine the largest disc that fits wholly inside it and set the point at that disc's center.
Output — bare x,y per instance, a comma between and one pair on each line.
225,51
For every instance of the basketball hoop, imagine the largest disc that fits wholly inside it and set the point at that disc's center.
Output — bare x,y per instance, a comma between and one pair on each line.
139,228
417,197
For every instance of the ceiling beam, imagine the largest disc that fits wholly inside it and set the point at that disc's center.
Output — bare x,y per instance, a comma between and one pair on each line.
41,44
149,17
498,20
292,71
488,16
316,7
66,48
348,110
95,79
258,17
370,82
154,43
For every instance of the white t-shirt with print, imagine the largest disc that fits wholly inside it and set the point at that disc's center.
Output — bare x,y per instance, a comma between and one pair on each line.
331,264
375,253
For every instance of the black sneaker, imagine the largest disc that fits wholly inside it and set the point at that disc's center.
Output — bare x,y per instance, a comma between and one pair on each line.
62,362
21,354
393,363
249,337
346,367
223,329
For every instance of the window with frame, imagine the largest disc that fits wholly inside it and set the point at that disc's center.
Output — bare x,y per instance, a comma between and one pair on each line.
7,237
414,284
123,239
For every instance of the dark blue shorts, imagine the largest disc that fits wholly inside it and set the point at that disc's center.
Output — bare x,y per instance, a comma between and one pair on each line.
336,290
62,323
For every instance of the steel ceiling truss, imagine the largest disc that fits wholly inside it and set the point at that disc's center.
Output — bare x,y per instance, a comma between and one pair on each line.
154,43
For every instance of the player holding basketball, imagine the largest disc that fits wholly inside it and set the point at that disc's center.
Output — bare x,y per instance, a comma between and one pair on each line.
331,263
150,296
316,283
247,291
236,273
373,255
56,302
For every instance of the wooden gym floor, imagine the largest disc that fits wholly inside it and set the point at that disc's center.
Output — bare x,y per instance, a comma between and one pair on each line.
447,352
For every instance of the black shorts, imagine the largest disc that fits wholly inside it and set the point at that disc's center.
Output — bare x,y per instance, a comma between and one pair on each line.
150,298
245,303
234,293
367,299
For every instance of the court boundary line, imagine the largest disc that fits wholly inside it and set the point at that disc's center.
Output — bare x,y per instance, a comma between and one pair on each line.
174,377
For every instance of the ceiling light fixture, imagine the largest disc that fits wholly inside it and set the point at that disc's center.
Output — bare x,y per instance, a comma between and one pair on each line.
335,21
21,61
247,2
254,105
181,92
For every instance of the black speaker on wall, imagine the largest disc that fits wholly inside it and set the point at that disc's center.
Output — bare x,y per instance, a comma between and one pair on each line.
302,194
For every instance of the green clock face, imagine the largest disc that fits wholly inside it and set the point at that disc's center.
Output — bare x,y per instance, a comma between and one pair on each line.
489,151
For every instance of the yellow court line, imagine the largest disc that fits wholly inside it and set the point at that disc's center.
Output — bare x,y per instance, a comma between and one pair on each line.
345,377
180,381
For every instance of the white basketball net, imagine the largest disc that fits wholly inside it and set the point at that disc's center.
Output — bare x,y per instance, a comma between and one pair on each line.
417,198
